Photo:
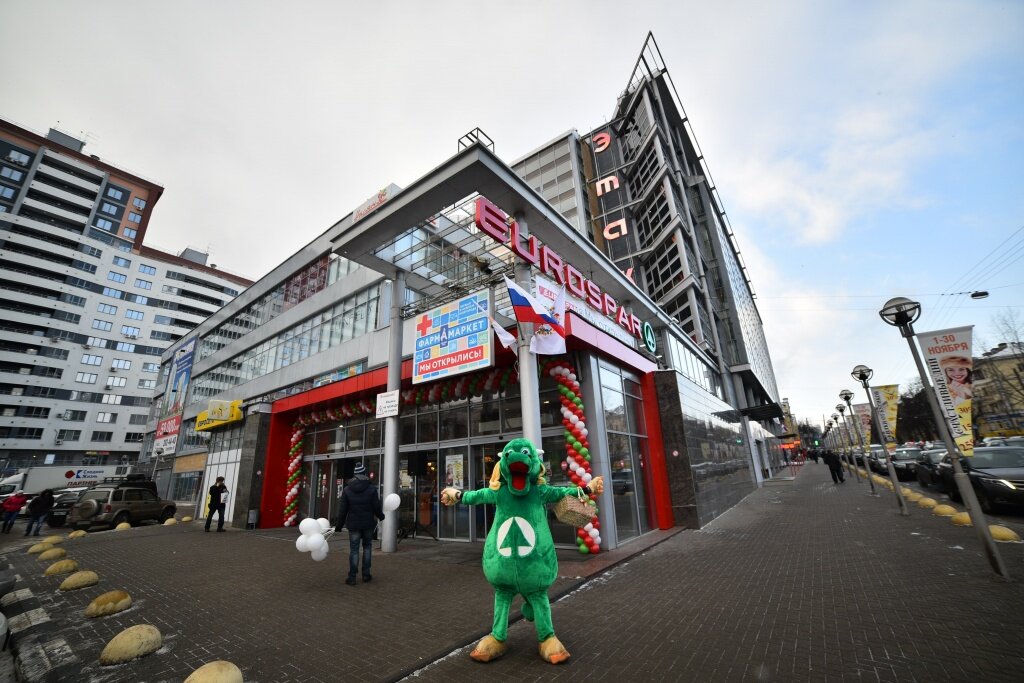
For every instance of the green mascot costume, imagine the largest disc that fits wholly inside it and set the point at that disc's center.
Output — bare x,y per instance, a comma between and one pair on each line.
519,555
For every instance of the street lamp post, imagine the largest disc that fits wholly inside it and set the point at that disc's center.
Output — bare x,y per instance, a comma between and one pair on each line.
901,313
851,461
862,374
839,441
846,395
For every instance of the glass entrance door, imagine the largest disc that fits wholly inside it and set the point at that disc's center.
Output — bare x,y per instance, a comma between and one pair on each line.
483,461
328,483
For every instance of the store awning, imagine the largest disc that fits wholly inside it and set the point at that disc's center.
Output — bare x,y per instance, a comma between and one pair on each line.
763,412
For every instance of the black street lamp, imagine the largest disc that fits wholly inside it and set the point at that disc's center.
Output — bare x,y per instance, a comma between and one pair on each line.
862,374
902,313
846,395
848,441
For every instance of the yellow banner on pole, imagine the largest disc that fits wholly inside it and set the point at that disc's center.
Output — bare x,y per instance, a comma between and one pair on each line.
887,398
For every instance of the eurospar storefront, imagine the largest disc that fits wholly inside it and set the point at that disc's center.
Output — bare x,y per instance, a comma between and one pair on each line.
672,451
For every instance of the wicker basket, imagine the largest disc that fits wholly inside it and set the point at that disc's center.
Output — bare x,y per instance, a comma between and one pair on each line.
574,510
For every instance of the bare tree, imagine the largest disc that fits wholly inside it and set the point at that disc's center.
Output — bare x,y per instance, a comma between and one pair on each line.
1001,368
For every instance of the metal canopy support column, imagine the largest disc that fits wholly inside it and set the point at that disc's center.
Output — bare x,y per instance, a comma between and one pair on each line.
389,533
529,382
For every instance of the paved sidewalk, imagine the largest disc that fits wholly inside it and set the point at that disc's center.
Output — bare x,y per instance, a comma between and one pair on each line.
803,580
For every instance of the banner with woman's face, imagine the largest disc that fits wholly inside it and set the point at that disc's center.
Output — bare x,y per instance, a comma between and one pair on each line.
947,355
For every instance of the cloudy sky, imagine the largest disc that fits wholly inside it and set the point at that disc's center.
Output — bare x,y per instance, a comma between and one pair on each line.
863,150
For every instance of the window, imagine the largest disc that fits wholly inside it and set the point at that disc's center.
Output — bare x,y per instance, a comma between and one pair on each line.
134,315
139,204
116,382
143,284
134,437
110,291
6,192
17,157
147,384
125,346
122,262
69,434
114,193
102,436
117,277
10,174
107,308
96,341
104,224
140,299
163,320
129,331
107,207
74,415
121,364
130,233
137,418
35,411
150,367
86,378
134,217
88,359
106,417
112,399
148,270
104,325
164,336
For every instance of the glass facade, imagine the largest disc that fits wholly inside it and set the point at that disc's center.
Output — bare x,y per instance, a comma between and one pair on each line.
626,432
351,317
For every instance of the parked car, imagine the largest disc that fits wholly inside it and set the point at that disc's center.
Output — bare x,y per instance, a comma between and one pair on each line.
62,506
905,462
928,467
996,473
129,499
876,461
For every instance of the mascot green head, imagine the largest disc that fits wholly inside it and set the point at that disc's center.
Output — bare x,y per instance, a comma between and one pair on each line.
520,466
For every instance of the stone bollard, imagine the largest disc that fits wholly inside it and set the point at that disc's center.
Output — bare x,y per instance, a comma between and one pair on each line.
110,602
216,672
53,554
131,643
61,567
82,579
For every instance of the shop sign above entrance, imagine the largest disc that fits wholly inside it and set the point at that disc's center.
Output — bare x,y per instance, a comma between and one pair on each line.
387,404
494,222
219,413
453,339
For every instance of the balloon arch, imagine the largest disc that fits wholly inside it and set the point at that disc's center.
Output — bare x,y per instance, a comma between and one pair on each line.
576,464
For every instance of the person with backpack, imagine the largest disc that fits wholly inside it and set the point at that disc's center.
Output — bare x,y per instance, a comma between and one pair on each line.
38,510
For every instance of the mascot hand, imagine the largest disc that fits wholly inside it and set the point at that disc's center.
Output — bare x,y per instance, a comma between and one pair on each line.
597,485
450,496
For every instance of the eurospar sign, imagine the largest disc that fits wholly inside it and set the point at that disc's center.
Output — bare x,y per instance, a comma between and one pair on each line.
494,222
453,339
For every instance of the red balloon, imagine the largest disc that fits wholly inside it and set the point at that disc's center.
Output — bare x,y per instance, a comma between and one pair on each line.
582,533
596,523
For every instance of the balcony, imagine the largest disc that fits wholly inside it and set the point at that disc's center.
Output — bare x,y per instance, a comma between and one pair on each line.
66,177
54,211
75,164
61,194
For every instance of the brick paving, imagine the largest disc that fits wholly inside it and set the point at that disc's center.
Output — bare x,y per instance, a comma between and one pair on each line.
802,581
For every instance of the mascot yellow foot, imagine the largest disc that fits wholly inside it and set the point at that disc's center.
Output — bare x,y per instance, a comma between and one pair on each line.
553,652
489,648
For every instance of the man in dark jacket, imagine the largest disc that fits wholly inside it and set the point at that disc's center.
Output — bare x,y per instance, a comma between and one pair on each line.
217,504
835,467
38,509
358,512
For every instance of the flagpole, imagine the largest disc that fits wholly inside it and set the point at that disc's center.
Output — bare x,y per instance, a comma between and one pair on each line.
529,382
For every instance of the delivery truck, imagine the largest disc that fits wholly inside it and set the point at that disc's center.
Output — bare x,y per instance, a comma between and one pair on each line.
35,480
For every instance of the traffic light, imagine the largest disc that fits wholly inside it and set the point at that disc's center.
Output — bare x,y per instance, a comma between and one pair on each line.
815,442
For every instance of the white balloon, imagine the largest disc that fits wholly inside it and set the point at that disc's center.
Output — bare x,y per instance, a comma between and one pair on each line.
587,477
315,541
300,544
571,376
583,431
588,526
320,555
594,533
574,418
391,502
324,524
309,526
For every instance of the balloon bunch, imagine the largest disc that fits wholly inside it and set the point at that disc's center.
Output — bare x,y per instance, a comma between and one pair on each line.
460,387
313,538
294,483
577,449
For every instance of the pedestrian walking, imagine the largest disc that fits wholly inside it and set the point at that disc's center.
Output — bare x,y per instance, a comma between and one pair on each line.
359,511
38,510
217,504
835,467
12,506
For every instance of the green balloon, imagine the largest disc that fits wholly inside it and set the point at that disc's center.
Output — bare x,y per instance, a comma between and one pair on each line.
578,402
584,550
570,394
584,452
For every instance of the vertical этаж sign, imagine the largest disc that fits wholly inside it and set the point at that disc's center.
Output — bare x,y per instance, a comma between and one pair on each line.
947,355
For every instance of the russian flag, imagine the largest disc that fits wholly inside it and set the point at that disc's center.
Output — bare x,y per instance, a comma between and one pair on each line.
528,310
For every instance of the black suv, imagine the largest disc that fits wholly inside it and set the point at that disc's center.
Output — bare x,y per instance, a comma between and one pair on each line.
129,499
62,506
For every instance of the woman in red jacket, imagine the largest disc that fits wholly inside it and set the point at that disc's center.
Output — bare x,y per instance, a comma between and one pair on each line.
11,507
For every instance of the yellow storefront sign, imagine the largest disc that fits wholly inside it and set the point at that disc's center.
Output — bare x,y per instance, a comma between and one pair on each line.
205,421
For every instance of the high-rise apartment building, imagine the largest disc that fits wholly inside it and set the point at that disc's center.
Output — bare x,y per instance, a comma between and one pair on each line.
86,308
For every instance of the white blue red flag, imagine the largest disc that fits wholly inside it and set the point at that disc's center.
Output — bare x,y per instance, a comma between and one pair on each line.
529,310
546,341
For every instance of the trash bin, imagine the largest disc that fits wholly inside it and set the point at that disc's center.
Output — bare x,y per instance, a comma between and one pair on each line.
254,516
